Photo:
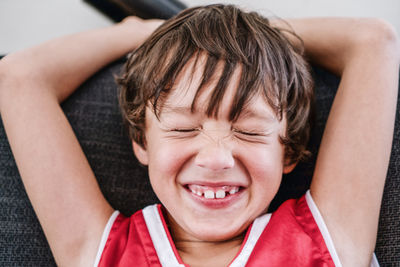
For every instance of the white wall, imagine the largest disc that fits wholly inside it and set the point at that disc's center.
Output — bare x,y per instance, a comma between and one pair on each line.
387,9
27,22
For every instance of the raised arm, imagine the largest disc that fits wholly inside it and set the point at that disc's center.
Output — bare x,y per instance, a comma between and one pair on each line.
54,170
352,162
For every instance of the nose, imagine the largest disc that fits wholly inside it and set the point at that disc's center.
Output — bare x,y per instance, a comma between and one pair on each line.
215,157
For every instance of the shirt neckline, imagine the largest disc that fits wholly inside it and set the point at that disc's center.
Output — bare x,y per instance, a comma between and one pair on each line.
166,249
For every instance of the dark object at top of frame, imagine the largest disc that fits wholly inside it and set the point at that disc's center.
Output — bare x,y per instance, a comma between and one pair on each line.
117,10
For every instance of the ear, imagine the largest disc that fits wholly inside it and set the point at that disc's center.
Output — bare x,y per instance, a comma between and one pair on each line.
140,153
289,168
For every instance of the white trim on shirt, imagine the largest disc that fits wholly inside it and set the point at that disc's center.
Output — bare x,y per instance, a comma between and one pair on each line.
104,237
256,230
160,240
325,233
164,249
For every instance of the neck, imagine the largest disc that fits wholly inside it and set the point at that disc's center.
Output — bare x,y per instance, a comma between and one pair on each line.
195,252
203,253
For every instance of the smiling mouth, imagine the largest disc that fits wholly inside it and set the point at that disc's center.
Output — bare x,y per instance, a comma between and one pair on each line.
213,192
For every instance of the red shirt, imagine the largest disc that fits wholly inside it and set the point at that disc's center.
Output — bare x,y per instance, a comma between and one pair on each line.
294,235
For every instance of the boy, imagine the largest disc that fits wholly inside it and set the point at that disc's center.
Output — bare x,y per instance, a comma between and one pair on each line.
217,122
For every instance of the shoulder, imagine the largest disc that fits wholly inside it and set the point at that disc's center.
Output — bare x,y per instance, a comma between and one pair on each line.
296,230
124,240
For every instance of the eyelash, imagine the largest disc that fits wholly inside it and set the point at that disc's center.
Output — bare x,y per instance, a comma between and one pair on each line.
185,130
247,133
237,131
251,137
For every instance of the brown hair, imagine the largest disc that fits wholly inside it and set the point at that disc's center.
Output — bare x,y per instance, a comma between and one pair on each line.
270,65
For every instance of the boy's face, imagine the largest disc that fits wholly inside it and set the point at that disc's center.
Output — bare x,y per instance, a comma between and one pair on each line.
214,176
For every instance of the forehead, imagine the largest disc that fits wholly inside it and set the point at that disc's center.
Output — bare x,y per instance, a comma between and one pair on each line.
186,89
189,95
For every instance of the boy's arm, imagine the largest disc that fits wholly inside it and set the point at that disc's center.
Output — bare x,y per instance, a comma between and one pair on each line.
352,162
53,167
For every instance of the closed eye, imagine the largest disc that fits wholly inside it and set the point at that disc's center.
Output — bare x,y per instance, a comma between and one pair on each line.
249,133
185,130
182,133
252,137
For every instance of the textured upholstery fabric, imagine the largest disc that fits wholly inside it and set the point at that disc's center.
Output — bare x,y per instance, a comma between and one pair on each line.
94,114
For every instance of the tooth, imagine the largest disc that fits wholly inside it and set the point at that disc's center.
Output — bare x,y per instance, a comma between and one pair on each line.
209,194
220,194
234,190
193,191
199,193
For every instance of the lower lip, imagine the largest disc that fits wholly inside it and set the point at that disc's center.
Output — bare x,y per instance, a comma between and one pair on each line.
216,203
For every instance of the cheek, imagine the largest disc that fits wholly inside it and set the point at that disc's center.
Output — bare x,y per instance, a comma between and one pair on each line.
268,173
166,159
264,164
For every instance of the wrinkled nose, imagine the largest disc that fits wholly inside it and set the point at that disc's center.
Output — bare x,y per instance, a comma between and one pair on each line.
215,157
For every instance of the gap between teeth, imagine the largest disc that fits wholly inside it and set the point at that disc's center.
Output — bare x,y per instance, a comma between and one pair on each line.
209,194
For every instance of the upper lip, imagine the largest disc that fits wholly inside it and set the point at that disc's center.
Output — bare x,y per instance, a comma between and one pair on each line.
216,184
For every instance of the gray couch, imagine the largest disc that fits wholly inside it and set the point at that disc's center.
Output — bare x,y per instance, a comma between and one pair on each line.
93,113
